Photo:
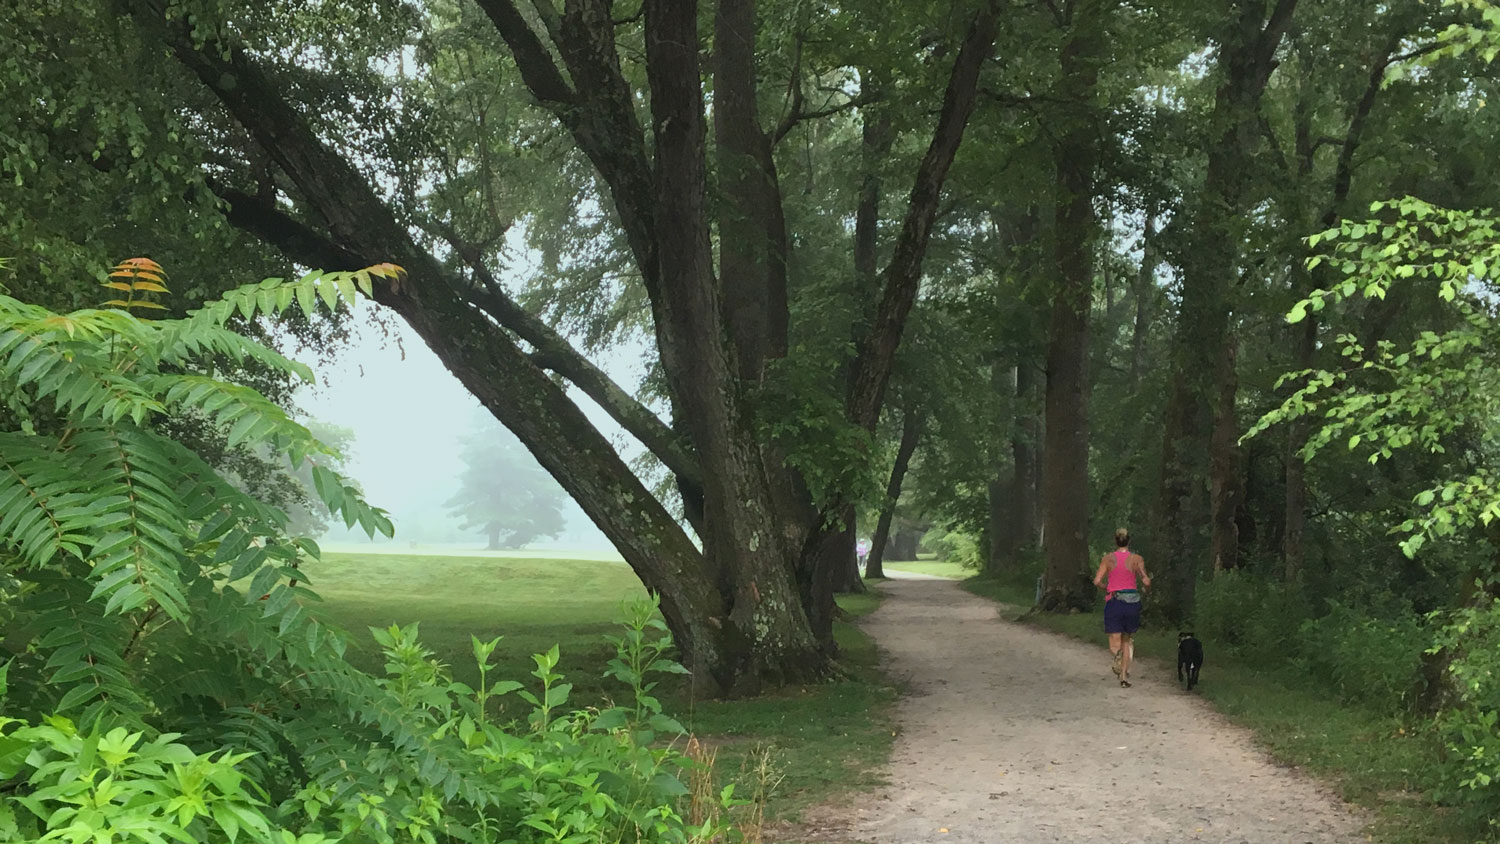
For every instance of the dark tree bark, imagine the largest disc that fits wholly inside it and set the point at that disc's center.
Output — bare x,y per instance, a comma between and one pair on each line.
752,230
1226,489
1065,486
903,545
1209,266
742,537
1024,445
911,433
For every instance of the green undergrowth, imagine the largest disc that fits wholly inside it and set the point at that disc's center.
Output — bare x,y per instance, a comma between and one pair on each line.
825,740
1373,760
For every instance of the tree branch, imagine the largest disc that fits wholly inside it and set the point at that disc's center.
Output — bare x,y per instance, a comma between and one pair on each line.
538,70
799,114
555,353
903,275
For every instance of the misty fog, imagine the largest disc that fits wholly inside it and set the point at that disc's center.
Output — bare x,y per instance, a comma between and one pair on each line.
409,415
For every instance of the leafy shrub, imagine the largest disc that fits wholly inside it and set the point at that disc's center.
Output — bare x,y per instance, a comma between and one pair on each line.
1470,724
956,546
565,775
1373,660
1253,615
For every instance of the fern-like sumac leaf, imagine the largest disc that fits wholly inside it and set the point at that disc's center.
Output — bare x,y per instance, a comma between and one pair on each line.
78,375
42,511
135,484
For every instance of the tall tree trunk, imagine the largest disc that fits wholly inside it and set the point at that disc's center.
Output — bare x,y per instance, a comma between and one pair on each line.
911,433
1145,294
742,534
360,230
903,545
752,230
1246,60
1025,440
876,356
1014,512
903,275
494,533
1293,545
1065,486
1226,485
1305,333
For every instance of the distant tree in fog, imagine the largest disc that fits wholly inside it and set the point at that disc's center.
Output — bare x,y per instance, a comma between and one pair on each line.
503,493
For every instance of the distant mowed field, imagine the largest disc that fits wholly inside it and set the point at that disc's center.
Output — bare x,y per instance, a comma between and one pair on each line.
533,602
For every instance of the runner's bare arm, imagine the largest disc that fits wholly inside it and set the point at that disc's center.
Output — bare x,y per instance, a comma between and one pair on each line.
1140,567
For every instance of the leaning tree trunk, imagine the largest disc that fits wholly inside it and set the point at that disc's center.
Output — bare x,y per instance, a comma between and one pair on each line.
911,432
1065,486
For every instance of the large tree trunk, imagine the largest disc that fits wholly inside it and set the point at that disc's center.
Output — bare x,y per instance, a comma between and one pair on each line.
742,534
752,229
903,545
1246,60
911,432
494,534
360,231
1065,486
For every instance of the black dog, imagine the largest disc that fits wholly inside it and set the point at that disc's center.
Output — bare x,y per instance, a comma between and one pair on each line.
1189,658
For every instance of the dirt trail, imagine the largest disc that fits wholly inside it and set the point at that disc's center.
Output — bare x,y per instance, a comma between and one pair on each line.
1013,734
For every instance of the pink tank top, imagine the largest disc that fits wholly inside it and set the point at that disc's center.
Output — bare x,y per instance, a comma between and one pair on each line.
1122,576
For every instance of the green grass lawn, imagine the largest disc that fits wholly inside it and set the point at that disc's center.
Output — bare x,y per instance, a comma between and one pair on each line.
828,738
937,568
1370,758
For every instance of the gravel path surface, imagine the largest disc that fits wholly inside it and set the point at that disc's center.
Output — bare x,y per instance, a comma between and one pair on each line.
1014,734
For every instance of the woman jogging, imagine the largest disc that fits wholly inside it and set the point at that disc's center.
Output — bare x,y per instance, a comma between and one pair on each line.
1120,572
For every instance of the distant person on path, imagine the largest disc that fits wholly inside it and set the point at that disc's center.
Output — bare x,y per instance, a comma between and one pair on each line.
1121,573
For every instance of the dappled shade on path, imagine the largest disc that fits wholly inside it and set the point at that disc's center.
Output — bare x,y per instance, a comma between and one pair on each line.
1010,733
